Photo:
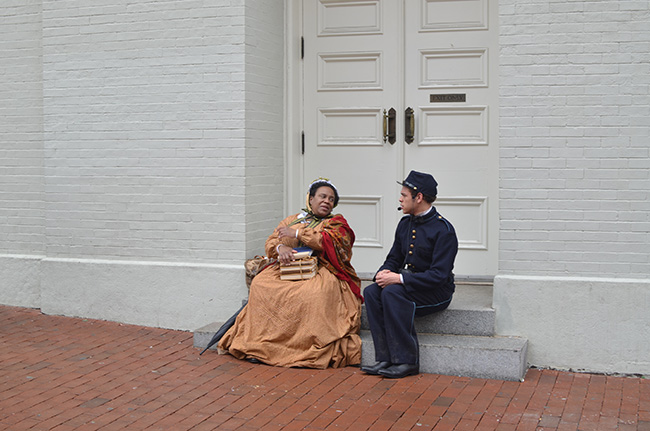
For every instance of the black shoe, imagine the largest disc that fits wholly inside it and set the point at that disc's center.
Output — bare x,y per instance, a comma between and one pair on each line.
400,370
374,369
254,360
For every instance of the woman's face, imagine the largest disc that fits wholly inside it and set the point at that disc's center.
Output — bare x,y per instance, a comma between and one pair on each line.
322,202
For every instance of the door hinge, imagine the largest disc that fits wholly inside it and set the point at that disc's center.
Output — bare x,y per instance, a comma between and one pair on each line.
302,148
302,47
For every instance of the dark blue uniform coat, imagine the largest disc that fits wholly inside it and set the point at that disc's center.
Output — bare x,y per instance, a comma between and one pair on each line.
423,252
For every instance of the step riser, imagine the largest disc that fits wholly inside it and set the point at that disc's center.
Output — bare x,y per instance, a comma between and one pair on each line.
471,360
451,322
203,335
481,357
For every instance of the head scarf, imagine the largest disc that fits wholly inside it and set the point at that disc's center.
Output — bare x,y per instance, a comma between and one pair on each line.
307,215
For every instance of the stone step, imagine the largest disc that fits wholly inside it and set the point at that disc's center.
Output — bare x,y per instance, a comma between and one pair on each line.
470,313
203,335
457,341
502,358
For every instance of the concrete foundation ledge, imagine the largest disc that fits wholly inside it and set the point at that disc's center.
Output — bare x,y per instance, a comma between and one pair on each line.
20,280
159,294
582,324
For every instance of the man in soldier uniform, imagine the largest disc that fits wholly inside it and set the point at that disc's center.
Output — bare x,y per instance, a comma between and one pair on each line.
415,280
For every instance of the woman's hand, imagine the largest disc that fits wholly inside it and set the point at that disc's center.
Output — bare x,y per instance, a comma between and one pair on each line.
286,232
285,254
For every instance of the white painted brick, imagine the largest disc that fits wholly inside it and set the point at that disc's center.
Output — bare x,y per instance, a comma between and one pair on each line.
21,123
162,129
579,58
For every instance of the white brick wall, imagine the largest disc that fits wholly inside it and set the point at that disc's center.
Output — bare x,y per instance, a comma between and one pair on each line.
141,154
575,138
21,113
264,121
144,107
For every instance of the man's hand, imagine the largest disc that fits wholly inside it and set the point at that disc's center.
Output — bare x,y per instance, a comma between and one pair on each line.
386,277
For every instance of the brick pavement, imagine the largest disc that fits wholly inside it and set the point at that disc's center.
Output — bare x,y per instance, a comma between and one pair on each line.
64,374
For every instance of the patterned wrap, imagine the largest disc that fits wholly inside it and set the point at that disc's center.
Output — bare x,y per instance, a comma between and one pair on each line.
338,239
331,238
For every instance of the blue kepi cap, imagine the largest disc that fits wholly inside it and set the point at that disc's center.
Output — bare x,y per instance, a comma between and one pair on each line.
421,183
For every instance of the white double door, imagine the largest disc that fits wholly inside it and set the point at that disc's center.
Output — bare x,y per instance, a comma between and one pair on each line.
437,57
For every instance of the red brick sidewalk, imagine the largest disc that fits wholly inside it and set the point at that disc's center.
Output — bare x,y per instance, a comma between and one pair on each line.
63,374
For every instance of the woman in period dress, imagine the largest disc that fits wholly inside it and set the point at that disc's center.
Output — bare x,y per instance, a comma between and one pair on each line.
304,323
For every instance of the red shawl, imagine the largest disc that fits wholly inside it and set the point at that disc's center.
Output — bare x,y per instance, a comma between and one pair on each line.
338,239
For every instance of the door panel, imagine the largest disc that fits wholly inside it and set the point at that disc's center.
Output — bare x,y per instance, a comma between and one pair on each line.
337,18
350,69
453,126
441,15
435,56
454,100
448,68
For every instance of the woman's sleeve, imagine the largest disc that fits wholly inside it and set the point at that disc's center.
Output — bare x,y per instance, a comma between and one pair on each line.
272,242
311,237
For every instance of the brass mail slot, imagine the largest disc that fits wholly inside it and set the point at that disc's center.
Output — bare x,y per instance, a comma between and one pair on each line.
442,98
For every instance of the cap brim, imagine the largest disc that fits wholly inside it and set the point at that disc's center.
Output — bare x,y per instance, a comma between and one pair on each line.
409,185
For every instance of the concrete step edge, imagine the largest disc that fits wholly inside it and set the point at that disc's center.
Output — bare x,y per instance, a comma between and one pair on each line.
502,358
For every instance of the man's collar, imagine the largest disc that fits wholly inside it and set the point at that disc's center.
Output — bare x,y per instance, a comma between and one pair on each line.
423,213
